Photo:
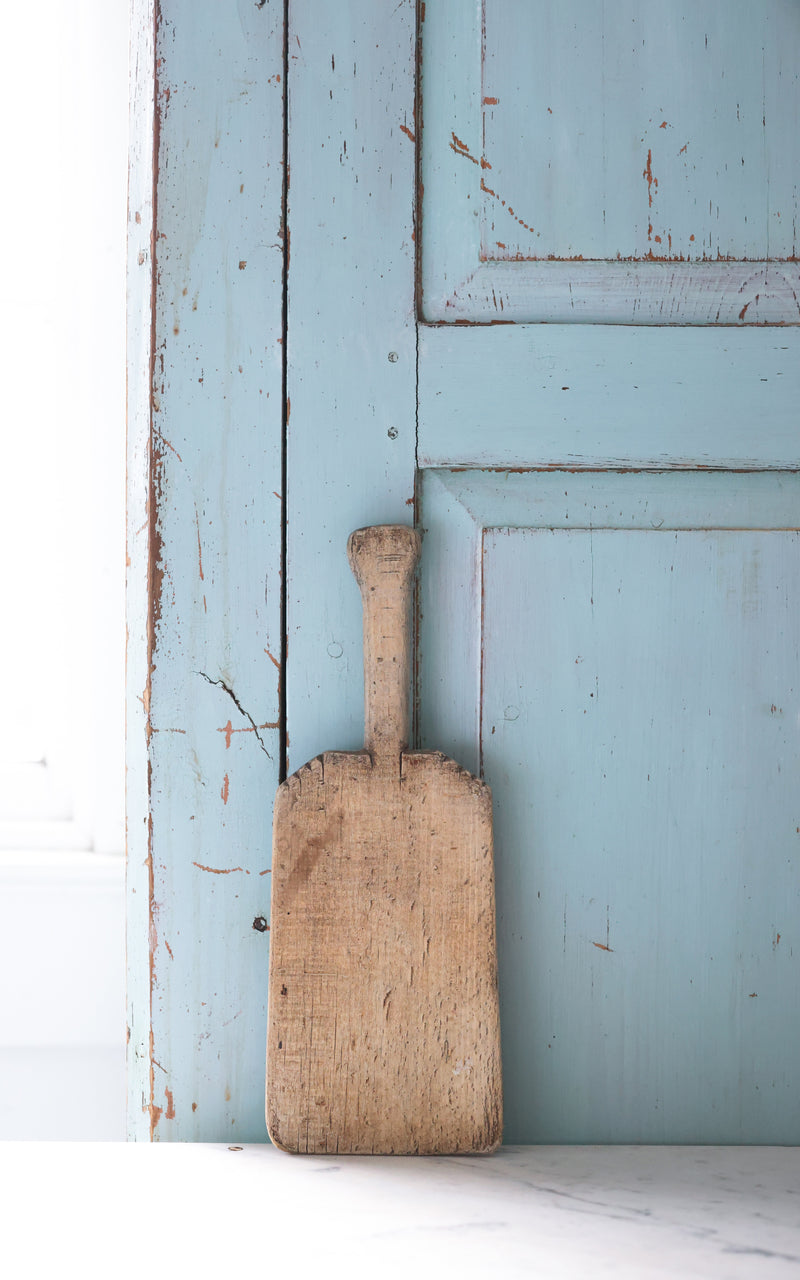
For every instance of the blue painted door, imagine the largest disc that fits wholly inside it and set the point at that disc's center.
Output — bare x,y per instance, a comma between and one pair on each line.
567,342
541,298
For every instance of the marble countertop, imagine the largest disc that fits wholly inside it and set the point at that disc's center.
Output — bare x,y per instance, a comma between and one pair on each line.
113,1210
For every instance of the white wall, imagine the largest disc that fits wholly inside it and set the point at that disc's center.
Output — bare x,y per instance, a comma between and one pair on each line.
63,93
62,981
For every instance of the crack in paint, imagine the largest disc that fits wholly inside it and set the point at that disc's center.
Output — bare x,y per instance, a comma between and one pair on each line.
222,685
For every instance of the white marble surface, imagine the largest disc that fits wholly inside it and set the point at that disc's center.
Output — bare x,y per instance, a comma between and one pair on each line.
116,1210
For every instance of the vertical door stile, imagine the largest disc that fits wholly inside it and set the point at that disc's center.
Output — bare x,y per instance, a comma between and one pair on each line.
351,376
204,539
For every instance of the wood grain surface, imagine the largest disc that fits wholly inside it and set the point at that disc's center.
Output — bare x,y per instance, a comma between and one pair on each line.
383,1013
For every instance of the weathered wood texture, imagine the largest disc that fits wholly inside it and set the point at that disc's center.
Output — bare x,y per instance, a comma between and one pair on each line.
383,1012
205,550
383,560
636,165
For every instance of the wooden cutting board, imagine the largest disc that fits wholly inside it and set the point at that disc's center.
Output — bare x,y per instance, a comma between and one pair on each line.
383,1014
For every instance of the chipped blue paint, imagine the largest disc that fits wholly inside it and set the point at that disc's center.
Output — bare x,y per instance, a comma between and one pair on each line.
633,165
205,543
659,1003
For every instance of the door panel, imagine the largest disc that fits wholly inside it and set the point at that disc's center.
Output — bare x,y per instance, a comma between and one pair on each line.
634,165
658,349
684,160
630,644
644,684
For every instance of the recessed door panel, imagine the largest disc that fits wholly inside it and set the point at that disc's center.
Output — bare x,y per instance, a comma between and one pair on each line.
618,654
628,164
639,731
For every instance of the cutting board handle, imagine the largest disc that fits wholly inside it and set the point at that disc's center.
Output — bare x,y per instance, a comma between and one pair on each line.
383,559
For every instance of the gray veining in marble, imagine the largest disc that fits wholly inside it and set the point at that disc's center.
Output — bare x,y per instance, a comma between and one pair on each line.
552,1213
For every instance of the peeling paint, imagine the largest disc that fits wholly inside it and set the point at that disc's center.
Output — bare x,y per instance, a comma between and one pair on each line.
209,447
460,148
220,871
151,1108
649,179
229,731
199,545
488,190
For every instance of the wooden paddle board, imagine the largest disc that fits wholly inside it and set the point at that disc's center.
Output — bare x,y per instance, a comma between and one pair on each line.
383,1013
